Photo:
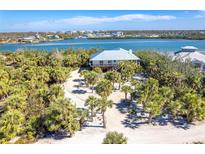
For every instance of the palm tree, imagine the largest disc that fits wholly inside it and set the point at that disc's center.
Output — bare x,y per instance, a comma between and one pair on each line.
58,74
195,81
82,116
126,89
83,73
70,60
61,114
42,75
127,69
55,91
4,75
151,100
118,80
4,89
154,107
92,103
11,124
103,104
168,95
136,84
194,106
104,88
175,108
91,78
148,90
16,101
113,76
98,70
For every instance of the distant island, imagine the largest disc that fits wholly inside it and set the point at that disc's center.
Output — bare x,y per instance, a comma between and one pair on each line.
35,37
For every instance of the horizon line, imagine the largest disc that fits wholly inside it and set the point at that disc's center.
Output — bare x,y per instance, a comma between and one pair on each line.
105,30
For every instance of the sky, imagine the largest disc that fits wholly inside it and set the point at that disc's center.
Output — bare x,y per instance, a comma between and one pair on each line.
44,21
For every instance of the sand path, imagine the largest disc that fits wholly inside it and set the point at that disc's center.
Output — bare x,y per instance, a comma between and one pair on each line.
143,134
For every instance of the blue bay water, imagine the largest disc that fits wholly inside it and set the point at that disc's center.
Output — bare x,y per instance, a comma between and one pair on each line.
162,45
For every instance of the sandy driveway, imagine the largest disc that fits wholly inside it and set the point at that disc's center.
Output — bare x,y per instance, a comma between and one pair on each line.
115,121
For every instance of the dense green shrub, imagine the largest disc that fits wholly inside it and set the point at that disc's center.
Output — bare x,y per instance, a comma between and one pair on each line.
114,138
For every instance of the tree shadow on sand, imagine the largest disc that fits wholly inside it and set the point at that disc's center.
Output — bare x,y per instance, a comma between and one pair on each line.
123,106
164,120
80,83
79,91
132,121
58,135
94,122
78,80
62,134
135,117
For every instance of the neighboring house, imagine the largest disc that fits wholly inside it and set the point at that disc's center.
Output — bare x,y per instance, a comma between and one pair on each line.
29,39
56,37
111,58
118,34
37,36
191,53
53,36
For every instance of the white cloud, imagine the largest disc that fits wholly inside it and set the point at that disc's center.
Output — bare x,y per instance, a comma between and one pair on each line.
88,20
129,17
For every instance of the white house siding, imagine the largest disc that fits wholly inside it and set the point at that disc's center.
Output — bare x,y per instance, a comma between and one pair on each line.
96,63
111,58
105,63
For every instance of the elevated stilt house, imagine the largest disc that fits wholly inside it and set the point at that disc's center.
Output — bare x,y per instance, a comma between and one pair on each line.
111,58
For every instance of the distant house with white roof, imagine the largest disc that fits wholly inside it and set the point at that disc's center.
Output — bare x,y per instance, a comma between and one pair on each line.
111,58
29,39
118,34
191,53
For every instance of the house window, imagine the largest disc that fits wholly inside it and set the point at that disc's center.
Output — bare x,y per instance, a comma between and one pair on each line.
197,65
91,63
101,62
114,61
109,61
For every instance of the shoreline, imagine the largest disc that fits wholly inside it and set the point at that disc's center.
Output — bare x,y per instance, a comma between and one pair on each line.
159,45
31,42
125,38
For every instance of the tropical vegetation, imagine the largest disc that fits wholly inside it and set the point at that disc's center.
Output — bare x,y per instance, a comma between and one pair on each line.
32,101
172,88
114,138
